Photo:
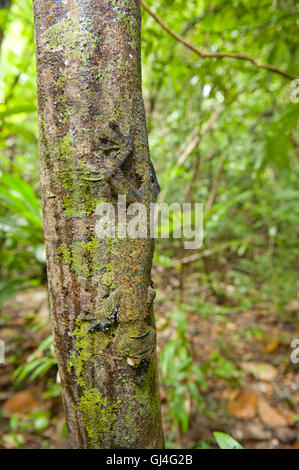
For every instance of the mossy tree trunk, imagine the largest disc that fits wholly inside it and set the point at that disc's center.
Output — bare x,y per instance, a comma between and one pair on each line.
93,146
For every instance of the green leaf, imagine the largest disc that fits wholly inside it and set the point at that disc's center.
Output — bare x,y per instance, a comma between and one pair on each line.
25,191
167,355
41,370
24,108
225,441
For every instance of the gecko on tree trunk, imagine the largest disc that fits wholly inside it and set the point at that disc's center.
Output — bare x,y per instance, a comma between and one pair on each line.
129,306
93,146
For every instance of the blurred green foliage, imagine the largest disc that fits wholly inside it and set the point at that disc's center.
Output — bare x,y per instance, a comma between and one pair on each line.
37,364
249,155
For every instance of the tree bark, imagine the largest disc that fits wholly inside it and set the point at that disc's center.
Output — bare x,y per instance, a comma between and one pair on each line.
93,146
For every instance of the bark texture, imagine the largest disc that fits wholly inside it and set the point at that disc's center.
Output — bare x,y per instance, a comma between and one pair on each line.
93,146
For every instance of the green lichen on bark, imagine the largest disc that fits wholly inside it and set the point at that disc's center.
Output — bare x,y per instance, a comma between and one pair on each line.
83,196
72,36
86,258
81,183
98,414
116,420
86,347
125,16
110,421
147,392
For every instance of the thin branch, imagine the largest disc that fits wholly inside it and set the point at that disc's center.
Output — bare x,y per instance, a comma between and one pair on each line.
244,29
207,253
194,173
215,184
199,255
217,55
188,149
196,20
269,23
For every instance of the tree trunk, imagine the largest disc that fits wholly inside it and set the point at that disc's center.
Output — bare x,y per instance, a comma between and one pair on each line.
93,146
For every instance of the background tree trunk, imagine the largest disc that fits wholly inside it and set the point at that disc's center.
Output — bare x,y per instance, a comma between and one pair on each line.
93,146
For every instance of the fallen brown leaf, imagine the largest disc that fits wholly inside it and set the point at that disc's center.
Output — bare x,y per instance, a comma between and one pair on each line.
272,345
243,405
270,415
21,403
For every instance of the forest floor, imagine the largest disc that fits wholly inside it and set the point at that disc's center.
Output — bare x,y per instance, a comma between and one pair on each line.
258,405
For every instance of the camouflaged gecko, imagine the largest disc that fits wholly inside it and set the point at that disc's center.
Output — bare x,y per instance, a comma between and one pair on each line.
129,306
